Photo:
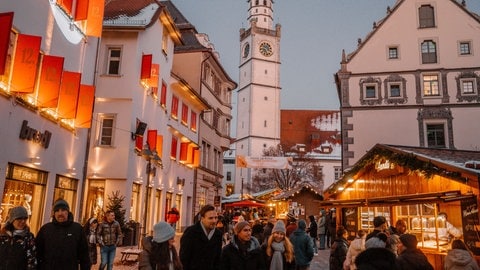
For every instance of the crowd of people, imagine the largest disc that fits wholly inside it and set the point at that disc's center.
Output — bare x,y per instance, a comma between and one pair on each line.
218,242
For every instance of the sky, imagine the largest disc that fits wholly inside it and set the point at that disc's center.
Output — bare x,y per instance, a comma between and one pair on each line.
313,35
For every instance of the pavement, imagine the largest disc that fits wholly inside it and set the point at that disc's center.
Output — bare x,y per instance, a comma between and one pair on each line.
319,262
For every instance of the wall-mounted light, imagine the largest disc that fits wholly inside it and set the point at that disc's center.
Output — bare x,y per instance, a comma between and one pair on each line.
72,171
94,175
35,161
140,129
180,181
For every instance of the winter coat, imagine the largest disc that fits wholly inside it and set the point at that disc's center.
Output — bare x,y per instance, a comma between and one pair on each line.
460,259
17,250
312,229
356,246
144,256
338,253
413,259
173,216
197,251
109,234
268,260
321,225
234,259
62,246
302,247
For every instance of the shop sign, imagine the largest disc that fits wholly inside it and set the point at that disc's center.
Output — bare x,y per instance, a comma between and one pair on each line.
31,134
470,223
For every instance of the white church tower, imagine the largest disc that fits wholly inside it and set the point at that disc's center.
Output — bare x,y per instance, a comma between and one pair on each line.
258,95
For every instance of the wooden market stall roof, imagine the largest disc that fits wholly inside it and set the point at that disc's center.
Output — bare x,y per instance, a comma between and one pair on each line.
292,192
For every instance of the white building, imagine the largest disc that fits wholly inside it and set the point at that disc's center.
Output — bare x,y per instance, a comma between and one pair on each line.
414,80
47,64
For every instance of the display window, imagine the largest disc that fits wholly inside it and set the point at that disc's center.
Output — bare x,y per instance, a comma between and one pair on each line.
368,213
66,189
158,203
24,186
95,199
168,203
135,202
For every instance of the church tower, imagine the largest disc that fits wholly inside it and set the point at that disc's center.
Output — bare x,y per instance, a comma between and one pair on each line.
258,94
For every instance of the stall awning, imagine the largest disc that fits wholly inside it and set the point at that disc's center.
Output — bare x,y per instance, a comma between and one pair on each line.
245,203
446,196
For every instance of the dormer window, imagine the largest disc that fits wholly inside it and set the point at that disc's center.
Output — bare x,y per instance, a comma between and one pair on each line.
426,16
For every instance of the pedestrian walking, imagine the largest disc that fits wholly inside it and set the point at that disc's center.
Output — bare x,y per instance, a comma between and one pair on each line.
356,246
243,252
302,246
338,251
409,256
173,216
90,229
109,236
61,244
312,231
159,251
278,249
460,258
201,243
322,230
17,243
291,224
331,221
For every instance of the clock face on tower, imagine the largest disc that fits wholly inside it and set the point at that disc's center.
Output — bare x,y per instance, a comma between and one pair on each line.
246,50
266,49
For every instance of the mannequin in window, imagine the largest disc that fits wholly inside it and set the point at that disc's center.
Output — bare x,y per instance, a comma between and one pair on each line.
27,198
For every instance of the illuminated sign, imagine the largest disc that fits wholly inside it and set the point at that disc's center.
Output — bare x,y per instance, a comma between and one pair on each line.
31,134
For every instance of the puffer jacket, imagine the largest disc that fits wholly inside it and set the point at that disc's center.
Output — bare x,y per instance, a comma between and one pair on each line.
109,233
459,259
303,247
233,259
17,249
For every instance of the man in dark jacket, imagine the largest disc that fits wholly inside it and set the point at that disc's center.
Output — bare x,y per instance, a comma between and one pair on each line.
201,243
302,246
61,244
410,257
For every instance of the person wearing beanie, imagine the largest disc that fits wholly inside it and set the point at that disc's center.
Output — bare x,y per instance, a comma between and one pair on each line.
109,235
278,250
90,230
61,244
379,224
201,243
17,243
302,246
159,251
339,249
409,256
243,252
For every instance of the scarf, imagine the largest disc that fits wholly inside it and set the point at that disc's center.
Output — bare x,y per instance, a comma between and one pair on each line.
278,249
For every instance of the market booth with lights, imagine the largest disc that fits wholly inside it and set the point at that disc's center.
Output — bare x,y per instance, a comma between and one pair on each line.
428,188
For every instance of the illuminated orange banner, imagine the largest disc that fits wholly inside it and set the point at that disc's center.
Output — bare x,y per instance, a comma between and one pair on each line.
152,139
68,97
146,71
49,82
95,17
25,63
81,12
6,20
263,162
85,106
196,157
153,80
184,151
159,145
66,5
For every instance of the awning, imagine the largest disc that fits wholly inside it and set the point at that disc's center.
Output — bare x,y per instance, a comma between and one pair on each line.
446,196
245,203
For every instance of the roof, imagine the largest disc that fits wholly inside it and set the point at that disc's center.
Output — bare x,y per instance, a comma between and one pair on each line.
131,13
302,187
454,164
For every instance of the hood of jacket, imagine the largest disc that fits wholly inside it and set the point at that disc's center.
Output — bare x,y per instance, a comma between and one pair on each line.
459,257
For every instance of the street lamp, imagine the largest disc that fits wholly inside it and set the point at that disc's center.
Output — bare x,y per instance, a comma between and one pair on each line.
152,159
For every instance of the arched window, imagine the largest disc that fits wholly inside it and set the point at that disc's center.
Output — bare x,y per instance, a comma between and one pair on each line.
429,52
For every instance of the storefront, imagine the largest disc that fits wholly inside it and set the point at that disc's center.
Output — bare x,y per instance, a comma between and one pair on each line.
434,190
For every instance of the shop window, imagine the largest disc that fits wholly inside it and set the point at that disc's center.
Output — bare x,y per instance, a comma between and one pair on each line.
202,196
430,85
367,214
158,205
135,203
95,199
66,189
393,53
464,47
436,135
429,52
24,186
106,129
426,14
229,188
113,60
168,203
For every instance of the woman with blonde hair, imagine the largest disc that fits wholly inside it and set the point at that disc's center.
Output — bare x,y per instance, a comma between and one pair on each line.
278,249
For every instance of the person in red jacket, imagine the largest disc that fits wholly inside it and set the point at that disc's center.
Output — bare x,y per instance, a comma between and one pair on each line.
173,216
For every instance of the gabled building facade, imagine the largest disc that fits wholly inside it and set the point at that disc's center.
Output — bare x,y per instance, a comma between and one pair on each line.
414,80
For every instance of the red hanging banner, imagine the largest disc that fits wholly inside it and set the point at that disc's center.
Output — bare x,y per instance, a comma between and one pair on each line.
49,82
85,106
6,20
152,139
25,63
66,5
68,97
95,17
81,11
146,71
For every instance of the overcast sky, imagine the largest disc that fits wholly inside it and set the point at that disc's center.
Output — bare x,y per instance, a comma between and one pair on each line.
314,32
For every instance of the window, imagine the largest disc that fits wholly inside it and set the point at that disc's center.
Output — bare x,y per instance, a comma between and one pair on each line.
106,130
393,53
163,95
113,60
430,85
436,135
426,16
468,87
464,48
193,121
395,90
184,114
370,91
229,176
173,149
338,172
429,52
174,107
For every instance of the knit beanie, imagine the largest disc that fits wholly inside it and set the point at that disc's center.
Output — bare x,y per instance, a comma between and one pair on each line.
302,224
17,212
239,226
162,232
409,240
60,204
279,227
